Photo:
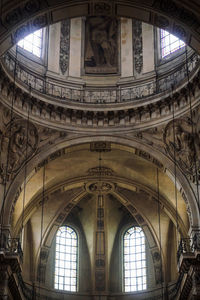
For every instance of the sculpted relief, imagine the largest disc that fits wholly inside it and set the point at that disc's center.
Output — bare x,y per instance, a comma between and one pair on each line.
23,143
20,141
101,45
183,145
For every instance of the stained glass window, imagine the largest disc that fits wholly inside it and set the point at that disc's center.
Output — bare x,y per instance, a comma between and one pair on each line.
169,43
33,43
66,259
135,278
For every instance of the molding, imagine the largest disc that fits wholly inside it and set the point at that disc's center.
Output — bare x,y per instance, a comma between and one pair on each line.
84,118
74,92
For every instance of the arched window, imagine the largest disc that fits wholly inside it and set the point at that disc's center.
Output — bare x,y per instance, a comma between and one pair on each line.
33,43
66,261
169,43
135,278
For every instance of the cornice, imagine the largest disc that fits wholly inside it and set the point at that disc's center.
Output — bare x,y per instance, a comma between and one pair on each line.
84,120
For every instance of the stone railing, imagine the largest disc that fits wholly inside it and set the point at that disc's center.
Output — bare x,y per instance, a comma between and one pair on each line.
65,91
189,245
12,247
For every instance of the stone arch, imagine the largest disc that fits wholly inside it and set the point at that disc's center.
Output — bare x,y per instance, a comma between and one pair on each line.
46,244
186,188
121,191
123,196
155,252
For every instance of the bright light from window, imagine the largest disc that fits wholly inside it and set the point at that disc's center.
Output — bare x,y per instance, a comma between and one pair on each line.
66,259
33,43
169,43
135,278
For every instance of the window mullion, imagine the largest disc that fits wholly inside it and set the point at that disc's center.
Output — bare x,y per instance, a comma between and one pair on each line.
65,267
134,260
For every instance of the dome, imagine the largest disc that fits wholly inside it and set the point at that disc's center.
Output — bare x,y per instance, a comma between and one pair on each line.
101,71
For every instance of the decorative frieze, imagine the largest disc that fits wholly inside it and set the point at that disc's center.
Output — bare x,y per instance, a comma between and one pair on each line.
183,145
137,46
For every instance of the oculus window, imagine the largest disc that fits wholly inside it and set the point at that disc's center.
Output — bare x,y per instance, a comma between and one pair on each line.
134,252
66,254
169,43
33,43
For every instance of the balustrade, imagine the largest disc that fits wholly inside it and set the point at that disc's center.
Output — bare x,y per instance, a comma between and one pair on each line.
82,94
189,245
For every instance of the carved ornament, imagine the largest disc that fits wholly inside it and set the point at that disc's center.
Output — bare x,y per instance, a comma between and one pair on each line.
100,146
100,171
99,187
102,8
183,145
19,143
64,45
137,46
